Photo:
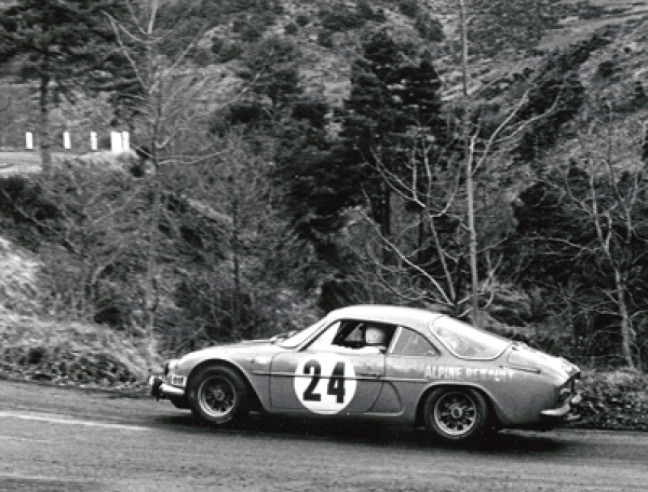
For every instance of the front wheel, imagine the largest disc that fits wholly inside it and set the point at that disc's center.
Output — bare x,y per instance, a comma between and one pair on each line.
456,414
218,395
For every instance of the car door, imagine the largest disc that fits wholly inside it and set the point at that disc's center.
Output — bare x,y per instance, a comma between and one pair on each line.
333,374
409,364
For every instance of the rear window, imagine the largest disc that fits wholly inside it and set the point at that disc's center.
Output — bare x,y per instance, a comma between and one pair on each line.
412,344
466,341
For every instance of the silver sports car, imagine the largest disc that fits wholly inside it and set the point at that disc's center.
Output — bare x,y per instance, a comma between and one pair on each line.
395,364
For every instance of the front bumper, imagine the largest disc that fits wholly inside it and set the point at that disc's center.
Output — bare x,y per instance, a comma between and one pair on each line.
163,390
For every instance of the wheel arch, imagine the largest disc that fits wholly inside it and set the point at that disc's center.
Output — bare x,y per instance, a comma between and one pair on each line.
255,403
490,401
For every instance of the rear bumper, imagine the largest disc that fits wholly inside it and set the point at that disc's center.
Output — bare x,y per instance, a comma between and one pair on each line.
565,413
162,390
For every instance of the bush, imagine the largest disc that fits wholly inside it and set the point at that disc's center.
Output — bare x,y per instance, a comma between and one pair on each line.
302,20
607,69
325,39
22,202
226,50
409,8
341,19
429,29
614,400
291,29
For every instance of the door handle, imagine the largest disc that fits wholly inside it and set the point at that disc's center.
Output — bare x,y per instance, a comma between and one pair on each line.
369,374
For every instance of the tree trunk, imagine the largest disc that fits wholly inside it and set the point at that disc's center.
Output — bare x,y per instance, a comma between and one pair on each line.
626,326
151,281
386,211
44,127
468,167
236,252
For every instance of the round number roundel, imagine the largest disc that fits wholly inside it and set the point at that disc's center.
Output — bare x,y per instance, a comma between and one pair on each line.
325,383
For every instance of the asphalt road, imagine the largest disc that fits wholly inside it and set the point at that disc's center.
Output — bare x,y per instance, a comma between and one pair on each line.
58,439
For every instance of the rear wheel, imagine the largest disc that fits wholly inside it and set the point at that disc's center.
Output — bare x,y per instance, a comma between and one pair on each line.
456,414
218,395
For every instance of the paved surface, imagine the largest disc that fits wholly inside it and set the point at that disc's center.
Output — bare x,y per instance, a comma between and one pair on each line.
57,439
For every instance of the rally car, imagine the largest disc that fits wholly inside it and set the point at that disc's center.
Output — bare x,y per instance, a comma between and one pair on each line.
400,365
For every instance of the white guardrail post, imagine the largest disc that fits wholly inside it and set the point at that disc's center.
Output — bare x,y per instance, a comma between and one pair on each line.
119,141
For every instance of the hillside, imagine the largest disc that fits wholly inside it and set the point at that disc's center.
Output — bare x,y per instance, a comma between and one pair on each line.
37,347
328,36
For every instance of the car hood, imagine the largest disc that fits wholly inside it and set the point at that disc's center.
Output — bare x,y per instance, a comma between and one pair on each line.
525,358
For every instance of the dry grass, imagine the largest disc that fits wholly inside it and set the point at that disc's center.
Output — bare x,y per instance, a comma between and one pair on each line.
18,280
68,353
34,347
18,163
24,162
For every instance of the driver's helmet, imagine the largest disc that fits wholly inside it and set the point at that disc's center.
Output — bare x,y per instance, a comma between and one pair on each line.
375,336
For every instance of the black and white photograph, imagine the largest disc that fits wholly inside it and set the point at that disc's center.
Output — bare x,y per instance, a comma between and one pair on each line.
323,245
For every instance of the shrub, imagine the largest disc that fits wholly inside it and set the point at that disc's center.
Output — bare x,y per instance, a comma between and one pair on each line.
614,400
429,29
341,19
325,39
607,69
409,8
291,29
22,201
226,50
302,20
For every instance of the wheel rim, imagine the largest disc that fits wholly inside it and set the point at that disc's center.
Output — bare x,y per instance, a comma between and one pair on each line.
217,397
455,414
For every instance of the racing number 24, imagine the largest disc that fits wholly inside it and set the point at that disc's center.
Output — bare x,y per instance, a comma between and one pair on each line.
335,385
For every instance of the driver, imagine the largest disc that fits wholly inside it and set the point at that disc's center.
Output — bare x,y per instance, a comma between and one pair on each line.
376,339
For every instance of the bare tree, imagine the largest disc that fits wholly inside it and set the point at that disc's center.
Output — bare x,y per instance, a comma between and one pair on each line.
170,101
442,197
242,287
604,187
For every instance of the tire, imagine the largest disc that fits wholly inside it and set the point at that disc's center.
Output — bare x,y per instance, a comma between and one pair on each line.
456,415
218,395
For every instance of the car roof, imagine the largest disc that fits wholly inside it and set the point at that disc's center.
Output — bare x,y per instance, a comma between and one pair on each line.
398,315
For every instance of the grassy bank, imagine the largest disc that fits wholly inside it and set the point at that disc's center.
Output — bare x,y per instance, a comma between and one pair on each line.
69,354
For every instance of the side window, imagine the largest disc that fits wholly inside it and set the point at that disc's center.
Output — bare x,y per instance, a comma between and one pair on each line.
411,343
354,336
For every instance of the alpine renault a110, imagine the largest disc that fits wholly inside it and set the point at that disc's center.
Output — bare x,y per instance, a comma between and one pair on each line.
399,365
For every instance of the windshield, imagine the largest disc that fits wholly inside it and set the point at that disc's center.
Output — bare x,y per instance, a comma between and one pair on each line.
467,341
300,337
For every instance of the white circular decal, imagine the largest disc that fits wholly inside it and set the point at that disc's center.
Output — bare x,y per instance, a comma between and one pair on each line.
325,383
